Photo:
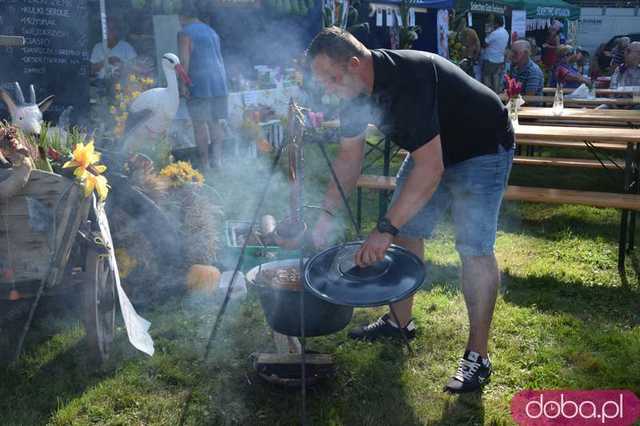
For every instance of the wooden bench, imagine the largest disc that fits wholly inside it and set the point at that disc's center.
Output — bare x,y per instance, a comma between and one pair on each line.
568,162
532,194
625,202
569,144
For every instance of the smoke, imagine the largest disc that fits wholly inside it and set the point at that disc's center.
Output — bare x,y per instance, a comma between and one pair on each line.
153,233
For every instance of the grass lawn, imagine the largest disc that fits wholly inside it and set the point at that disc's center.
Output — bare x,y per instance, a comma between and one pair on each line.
563,320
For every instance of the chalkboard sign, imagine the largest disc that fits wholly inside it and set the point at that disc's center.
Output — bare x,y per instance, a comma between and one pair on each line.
55,58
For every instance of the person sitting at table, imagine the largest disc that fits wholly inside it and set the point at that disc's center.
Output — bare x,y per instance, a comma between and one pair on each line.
524,70
119,53
627,74
564,72
472,50
618,52
536,51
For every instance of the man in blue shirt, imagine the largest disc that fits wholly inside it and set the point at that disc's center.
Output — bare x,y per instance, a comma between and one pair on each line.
524,70
201,56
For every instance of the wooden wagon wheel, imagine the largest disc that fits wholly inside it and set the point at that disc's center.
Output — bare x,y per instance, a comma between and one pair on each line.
100,303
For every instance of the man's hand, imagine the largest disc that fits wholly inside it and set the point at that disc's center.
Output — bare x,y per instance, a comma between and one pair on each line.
373,248
184,91
323,231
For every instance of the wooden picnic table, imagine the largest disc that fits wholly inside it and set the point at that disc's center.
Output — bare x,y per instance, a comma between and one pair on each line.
622,136
594,139
593,102
581,116
599,92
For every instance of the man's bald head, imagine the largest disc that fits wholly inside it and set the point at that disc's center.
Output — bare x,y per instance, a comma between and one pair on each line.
521,45
521,52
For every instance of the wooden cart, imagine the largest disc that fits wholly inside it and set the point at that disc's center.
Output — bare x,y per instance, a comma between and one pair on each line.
50,242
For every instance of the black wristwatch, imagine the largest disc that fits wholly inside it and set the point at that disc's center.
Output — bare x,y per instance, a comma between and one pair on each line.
384,225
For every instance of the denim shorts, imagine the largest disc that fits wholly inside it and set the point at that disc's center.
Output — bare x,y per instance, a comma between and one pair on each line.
473,189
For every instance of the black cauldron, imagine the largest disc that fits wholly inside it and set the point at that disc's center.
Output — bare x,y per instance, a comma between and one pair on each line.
282,306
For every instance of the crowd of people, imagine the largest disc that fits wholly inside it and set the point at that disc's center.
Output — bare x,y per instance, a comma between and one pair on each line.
555,61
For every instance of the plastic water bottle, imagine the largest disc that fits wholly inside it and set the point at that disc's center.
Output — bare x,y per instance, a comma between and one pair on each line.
585,70
558,101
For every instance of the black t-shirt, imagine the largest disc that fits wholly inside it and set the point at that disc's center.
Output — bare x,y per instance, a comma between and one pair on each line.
418,95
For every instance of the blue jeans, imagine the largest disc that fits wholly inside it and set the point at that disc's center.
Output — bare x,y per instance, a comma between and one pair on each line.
473,189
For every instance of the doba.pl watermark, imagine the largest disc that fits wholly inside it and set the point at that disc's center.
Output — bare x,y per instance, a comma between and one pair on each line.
580,408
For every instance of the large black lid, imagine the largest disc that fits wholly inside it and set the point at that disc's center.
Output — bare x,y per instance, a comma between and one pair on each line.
333,276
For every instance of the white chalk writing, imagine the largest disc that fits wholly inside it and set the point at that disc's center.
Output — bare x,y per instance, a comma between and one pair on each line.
49,11
29,70
45,32
54,3
34,41
43,60
41,22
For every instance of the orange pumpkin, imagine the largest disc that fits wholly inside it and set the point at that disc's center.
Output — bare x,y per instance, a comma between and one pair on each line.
203,278
14,295
264,146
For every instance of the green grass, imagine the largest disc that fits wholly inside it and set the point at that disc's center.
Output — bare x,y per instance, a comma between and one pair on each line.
563,320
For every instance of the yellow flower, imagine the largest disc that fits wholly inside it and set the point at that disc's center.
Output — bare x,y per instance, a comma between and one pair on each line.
88,172
180,173
99,183
83,156
135,94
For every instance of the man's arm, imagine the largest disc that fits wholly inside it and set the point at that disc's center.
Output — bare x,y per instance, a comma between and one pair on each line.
96,59
184,50
420,185
615,77
184,54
